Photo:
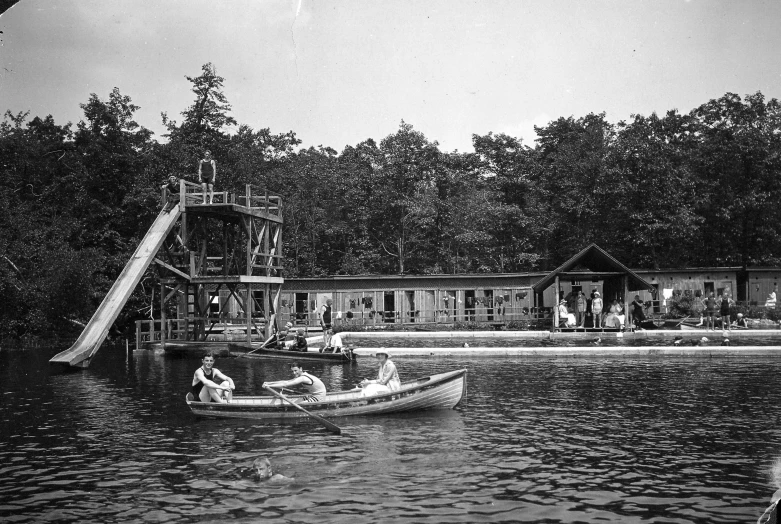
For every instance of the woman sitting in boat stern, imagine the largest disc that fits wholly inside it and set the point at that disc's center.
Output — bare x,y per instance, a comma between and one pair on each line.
387,377
313,385
211,384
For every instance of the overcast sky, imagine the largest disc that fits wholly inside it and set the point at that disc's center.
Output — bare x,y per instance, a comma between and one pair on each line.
340,71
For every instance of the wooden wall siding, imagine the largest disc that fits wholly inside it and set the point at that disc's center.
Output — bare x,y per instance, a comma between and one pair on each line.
411,282
413,306
443,300
761,283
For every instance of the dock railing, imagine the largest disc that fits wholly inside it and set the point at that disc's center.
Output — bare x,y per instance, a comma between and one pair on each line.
254,197
213,328
497,318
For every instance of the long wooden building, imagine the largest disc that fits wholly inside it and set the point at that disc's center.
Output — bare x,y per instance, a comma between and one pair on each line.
486,297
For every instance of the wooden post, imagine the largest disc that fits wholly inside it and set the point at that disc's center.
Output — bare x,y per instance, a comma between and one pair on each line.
225,249
249,223
162,315
556,319
248,313
625,285
187,311
138,334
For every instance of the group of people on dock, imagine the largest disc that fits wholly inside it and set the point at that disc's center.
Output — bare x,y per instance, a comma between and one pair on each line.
574,312
211,385
207,176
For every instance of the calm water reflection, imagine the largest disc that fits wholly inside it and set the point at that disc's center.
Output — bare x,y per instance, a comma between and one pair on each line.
537,441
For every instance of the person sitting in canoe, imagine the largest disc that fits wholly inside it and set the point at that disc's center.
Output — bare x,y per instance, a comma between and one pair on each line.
300,343
278,339
210,384
387,377
313,385
333,342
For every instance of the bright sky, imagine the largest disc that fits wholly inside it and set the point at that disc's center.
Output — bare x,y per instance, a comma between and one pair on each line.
340,71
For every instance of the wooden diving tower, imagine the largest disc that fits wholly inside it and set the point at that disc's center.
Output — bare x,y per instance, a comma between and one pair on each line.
233,245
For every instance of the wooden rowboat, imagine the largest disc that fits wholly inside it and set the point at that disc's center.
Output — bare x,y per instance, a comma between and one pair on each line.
442,391
345,356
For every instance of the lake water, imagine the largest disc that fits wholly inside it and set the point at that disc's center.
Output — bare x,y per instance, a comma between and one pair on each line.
537,440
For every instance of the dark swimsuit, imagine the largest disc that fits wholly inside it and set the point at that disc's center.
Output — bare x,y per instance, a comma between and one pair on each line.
199,386
207,172
724,307
327,316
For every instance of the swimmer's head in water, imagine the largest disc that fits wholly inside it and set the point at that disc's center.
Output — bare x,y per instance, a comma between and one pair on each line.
262,468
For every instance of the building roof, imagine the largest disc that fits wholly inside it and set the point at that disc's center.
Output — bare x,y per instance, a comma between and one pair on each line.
597,261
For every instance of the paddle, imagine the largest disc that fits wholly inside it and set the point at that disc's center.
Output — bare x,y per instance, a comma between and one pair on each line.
263,345
333,428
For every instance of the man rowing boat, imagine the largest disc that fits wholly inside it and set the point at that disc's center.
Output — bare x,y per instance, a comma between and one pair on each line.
313,385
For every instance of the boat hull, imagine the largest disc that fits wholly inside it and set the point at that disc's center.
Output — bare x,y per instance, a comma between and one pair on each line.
282,354
442,391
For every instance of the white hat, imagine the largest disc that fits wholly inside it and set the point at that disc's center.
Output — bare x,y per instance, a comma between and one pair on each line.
382,351
596,292
740,315
704,339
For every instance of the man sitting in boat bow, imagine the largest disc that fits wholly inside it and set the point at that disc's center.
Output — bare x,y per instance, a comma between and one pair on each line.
211,384
313,385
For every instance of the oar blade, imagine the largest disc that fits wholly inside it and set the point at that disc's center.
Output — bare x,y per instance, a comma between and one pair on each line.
333,428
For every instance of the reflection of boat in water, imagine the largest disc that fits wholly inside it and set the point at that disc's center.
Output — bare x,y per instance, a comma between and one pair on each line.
344,356
441,391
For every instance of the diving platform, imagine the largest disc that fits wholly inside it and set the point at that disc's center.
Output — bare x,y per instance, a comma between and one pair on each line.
201,253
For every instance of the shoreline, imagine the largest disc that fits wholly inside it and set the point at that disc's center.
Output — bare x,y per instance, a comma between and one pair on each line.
582,352
585,350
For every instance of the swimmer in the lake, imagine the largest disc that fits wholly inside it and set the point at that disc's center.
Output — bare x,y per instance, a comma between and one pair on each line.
597,341
678,340
725,342
261,467
703,341
466,344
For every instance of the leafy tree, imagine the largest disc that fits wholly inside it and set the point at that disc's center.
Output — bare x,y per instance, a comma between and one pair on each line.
576,187
738,166
660,223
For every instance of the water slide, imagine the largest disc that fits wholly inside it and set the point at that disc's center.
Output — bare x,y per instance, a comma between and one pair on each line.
80,353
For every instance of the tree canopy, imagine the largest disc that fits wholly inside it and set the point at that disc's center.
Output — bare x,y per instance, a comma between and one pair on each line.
672,190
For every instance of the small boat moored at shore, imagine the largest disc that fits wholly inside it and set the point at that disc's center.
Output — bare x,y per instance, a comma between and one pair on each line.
441,391
345,356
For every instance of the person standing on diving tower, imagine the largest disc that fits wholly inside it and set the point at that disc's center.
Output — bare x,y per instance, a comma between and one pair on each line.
207,175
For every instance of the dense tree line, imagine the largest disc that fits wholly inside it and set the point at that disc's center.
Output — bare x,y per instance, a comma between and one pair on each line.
695,189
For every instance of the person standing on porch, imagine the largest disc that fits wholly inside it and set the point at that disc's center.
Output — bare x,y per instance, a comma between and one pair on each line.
581,309
207,175
596,309
325,315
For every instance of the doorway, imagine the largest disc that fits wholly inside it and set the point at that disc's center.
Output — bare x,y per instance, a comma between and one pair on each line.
389,306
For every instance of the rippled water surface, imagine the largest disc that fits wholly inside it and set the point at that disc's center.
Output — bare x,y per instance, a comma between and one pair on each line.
537,440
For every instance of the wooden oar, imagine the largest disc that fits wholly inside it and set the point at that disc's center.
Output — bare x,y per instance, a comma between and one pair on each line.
333,428
272,337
